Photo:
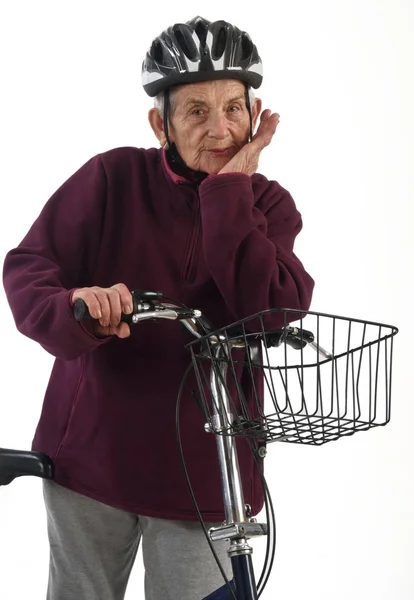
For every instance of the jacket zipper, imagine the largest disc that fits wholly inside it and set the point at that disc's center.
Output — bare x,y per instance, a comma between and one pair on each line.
193,246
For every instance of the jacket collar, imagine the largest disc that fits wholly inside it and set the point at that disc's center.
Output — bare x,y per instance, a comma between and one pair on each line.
174,176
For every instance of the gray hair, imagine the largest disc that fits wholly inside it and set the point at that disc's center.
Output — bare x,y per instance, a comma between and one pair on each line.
159,101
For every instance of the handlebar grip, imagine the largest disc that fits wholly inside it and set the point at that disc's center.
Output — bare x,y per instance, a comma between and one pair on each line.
81,312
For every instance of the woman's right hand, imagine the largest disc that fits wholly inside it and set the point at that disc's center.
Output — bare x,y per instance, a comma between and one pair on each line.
105,307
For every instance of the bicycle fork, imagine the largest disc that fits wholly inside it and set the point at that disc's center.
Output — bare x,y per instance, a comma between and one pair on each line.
238,526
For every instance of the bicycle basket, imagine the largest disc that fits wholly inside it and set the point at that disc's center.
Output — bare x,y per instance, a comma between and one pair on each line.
317,378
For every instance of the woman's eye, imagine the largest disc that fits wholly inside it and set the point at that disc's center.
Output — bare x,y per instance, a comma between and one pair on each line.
197,112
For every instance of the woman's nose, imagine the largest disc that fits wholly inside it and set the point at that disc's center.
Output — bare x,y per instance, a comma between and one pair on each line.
218,126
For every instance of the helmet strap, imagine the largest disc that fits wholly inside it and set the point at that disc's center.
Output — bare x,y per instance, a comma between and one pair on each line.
172,151
249,109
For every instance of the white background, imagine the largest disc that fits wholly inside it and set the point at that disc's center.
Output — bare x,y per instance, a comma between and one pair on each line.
340,73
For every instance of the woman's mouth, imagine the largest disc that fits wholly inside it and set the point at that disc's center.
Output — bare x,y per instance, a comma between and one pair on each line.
220,151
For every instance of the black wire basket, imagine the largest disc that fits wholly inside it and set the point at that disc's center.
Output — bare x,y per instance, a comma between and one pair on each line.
316,378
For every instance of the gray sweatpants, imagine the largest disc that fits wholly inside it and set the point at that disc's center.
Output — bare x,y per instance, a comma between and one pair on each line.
93,548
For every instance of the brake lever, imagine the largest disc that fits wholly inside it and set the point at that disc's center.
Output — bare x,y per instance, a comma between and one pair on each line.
298,338
293,336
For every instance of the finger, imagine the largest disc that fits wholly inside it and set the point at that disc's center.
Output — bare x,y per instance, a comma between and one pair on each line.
115,306
91,301
100,330
269,119
267,129
263,138
265,114
102,296
273,123
126,297
121,331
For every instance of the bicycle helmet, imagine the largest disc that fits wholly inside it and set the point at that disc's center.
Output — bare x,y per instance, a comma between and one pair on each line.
200,51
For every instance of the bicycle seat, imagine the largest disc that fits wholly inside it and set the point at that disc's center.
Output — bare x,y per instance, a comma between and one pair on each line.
15,463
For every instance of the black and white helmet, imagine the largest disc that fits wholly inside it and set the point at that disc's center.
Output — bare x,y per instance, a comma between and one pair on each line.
200,51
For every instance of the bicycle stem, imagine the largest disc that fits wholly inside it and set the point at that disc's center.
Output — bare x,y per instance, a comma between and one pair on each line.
234,506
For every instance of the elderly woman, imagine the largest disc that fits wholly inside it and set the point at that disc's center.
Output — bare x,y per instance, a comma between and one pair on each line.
194,220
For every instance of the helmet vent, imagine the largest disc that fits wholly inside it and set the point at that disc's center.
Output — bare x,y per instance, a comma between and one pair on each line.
156,51
201,30
246,46
219,44
185,41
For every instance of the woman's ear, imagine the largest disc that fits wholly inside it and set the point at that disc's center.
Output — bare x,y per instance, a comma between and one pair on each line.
157,125
256,110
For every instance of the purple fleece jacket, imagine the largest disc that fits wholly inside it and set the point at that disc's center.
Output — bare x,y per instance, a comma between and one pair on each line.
108,417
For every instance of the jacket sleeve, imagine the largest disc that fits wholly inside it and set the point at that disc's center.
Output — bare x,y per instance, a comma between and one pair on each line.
57,255
248,245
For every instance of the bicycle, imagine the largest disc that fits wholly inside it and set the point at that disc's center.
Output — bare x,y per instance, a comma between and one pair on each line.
270,405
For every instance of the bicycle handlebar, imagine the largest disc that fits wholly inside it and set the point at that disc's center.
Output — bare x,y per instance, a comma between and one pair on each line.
147,305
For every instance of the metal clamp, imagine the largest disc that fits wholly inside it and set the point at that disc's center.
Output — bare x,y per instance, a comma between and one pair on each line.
238,530
239,548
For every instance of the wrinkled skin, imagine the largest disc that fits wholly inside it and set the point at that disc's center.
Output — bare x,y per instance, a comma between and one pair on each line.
210,127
